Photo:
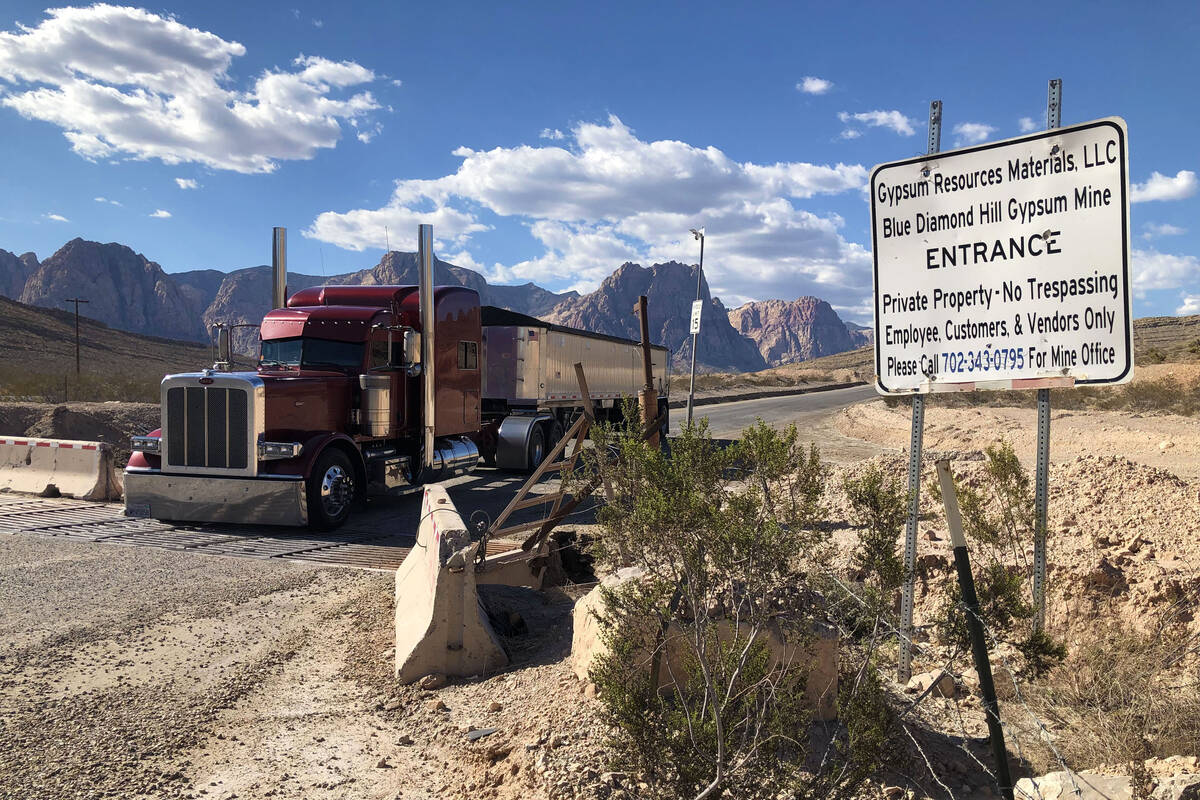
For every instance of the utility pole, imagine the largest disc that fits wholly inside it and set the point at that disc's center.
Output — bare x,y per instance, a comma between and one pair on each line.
696,313
76,301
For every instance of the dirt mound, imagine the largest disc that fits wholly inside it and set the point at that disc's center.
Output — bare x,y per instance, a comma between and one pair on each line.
94,422
1123,545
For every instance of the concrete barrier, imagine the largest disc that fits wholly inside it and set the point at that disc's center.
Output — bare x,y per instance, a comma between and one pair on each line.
440,626
85,470
811,655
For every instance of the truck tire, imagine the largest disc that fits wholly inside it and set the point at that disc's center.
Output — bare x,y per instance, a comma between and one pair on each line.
330,490
556,433
536,449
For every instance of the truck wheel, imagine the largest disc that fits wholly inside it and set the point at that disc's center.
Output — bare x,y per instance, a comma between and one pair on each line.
556,433
537,447
330,490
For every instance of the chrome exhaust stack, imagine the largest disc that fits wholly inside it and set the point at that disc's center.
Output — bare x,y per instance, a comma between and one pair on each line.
278,267
428,370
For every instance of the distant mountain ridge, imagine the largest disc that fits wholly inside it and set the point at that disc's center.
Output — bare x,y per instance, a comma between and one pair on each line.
669,290
127,291
789,331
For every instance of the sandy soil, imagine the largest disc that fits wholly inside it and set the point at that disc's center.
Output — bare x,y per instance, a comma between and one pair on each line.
165,674
1166,441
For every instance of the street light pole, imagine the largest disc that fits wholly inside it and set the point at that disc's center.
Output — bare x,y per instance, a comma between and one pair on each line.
76,301
699,234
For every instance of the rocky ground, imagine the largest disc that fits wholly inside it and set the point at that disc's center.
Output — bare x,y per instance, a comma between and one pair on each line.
163,674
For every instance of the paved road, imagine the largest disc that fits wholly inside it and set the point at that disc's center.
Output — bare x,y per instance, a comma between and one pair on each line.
812,413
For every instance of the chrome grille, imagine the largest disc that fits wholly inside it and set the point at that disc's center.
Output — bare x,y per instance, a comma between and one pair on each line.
206,426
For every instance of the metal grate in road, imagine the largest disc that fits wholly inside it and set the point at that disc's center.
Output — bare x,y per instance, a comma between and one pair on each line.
364,544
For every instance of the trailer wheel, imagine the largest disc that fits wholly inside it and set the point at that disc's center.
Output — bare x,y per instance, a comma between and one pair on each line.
556,433
537,447
330,490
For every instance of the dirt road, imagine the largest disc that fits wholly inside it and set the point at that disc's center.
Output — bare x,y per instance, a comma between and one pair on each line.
134,672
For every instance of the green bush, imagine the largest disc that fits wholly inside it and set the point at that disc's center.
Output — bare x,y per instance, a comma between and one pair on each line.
722,539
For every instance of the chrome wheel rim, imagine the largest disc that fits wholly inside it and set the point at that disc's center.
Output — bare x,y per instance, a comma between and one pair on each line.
539,450
336,490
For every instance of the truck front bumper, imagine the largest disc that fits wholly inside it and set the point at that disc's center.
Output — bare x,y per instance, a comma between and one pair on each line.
195,498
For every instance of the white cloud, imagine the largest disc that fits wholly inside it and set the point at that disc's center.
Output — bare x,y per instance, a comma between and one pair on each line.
814,85
607,197
972,132
851,133
892,120
161,214
1153,230
552,133
57,218
124,82
107,200
1027,125
318,23
1190,305
1155,270
187,183
1162,187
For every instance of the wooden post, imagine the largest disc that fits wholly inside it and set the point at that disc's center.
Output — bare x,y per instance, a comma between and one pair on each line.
648,397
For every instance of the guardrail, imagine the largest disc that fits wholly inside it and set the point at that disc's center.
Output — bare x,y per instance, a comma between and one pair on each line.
758,395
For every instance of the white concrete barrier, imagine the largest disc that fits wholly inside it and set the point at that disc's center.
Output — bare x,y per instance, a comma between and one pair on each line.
811,655
440,626
85,470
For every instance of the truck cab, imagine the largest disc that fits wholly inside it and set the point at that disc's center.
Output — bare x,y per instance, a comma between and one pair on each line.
333,412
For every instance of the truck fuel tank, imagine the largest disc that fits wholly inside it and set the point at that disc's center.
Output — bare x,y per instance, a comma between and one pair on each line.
376,403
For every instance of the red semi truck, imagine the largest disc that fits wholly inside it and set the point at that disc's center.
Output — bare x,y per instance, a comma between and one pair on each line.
370,390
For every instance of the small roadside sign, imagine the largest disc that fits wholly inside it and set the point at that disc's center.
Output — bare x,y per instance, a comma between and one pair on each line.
697,309
1006,264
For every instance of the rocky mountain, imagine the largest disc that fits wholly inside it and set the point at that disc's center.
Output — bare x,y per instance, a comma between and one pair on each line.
125,290
860,335
129,292
669,290
797,330
15,271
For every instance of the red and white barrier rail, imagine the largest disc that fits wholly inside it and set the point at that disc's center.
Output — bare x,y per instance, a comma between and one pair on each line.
84,470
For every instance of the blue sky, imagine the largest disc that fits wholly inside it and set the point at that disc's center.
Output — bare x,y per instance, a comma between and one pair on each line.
554,141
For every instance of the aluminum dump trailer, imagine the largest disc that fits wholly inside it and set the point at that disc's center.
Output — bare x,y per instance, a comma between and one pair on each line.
531,363
530,392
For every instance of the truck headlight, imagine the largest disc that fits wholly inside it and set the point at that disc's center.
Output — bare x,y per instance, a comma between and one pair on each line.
275,451
146,444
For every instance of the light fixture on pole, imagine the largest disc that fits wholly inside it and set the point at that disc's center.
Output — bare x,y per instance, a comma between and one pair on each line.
697,308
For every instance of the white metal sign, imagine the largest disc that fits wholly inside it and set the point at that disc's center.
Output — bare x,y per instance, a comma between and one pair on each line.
1002,265
697,308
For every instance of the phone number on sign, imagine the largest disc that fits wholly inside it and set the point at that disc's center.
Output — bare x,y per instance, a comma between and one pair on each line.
991,360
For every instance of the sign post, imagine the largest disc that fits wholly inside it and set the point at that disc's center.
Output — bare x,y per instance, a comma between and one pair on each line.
904,671
1042,472
1002,266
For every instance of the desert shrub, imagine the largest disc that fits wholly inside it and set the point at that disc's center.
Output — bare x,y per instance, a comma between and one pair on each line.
1153,355
998,522
1124,698
879,506
720,539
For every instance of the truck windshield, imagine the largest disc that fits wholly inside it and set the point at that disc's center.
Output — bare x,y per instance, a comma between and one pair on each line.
310,353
